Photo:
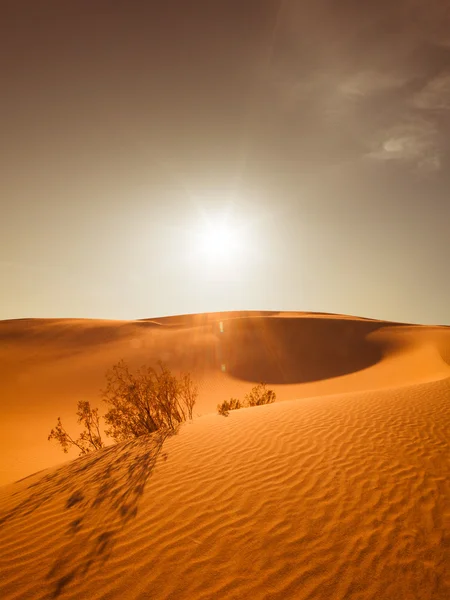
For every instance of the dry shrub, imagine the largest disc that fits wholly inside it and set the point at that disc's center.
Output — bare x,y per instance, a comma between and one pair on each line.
90,439
258,396
147,401
142,403
227,405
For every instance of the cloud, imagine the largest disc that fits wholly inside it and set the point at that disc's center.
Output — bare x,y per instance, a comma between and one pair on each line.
414,142
366,83
435,95
377,89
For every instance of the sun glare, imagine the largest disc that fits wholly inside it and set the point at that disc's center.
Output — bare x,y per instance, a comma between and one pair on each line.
218,239
220,243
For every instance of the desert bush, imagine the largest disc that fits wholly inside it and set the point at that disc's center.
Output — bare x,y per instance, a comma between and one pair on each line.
90,439
147,401
256,397
139,404
227,405
259,395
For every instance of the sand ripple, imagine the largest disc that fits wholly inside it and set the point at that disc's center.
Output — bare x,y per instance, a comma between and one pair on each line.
342,497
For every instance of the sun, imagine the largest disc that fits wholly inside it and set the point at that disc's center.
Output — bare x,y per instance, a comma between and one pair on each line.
218,238
220,243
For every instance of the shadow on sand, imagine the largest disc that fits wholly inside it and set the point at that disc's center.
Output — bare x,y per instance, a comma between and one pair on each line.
297,350
102,492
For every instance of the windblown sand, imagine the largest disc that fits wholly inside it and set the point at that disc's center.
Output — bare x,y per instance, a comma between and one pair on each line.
340,490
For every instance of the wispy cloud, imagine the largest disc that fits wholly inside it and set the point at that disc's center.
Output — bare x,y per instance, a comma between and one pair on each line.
435,95
374,91
414,142
367,83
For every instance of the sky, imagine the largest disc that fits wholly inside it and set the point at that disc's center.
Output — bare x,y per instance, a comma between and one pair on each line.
176,157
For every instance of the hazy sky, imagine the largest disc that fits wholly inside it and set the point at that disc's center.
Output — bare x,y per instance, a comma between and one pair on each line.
318,130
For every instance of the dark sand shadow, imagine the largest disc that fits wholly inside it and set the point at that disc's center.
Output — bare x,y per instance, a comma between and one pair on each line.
296,350
102,491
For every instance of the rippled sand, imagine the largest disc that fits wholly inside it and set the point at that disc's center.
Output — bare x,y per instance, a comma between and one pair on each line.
339,490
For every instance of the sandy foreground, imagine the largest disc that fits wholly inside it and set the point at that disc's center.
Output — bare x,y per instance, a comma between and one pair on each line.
341,489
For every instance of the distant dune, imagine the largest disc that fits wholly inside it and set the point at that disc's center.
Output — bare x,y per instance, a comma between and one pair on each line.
339,490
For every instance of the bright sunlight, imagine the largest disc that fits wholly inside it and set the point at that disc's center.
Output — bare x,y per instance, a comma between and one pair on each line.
221,242
218,238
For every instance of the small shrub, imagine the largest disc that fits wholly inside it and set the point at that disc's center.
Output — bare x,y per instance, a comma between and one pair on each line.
227,405
260,395
146,402
90,439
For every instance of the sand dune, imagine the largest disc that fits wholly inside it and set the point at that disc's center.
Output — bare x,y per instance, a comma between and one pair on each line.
47,365
339,490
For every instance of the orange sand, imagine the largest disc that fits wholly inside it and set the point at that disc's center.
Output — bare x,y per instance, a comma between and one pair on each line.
341,490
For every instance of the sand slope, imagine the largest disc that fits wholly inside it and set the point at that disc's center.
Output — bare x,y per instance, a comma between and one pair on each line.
342,494
47,365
